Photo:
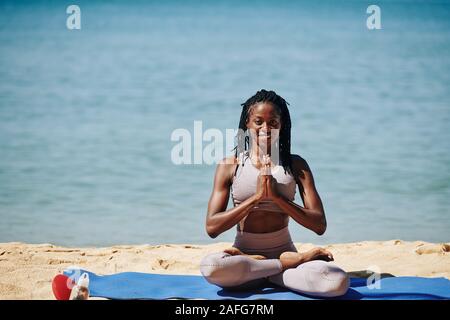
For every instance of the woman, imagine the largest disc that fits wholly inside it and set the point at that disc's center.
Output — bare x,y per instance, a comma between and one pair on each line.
263,190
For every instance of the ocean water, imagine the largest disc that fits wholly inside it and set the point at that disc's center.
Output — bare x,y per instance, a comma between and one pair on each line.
86,116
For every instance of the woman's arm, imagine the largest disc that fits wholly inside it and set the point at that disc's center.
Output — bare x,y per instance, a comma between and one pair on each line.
218,219
312,216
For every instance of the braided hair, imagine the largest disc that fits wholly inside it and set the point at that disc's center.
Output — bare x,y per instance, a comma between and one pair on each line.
284,141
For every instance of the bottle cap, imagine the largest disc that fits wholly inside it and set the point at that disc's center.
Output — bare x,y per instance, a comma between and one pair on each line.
84,280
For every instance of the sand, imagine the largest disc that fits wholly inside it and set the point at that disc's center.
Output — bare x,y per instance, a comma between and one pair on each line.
26,270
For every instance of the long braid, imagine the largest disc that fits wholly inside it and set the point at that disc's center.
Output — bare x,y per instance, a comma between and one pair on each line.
242,143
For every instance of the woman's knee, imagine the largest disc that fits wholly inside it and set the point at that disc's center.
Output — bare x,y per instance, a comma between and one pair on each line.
317,278
340,281
327,280
223,269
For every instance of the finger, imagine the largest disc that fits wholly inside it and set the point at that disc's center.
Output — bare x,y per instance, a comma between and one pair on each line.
262,170
229,251
266,163
261,179
325,257
233,251
258,257
264,166
329,255
266,186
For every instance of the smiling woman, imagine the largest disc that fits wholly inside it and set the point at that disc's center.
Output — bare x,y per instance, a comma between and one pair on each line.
263,191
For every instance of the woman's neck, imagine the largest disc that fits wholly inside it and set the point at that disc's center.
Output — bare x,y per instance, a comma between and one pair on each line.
256,154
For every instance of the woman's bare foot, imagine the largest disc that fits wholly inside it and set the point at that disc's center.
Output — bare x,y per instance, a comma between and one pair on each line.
236,252
290,259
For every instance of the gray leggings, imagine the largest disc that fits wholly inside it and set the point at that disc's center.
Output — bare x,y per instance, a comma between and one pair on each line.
315,278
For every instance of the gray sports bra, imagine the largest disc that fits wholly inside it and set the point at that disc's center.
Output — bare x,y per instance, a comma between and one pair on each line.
244,185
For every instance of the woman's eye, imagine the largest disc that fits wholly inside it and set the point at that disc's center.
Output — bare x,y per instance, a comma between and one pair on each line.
258,122
274,123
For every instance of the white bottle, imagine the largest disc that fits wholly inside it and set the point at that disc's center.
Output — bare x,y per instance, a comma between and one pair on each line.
81,290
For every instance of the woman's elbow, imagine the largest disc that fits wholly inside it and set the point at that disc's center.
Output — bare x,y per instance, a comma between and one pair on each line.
321,229
211,231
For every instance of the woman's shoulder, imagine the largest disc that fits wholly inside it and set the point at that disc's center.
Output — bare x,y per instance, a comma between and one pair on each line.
226,168
231,160
299,163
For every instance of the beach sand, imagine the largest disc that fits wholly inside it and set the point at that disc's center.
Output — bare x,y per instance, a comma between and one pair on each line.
26,270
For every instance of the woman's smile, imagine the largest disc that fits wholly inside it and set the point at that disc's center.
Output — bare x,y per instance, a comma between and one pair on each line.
264,137
264,123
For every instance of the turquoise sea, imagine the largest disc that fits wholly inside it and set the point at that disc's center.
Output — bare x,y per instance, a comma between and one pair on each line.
86,116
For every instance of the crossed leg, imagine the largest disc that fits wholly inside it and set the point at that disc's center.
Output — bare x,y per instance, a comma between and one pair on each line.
316,278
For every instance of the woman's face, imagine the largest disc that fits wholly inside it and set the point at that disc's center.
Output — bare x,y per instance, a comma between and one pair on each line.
264,123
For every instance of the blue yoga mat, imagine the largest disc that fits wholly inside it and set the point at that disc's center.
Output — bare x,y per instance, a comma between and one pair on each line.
134,285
